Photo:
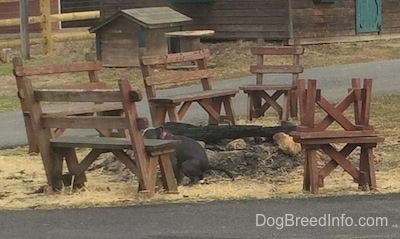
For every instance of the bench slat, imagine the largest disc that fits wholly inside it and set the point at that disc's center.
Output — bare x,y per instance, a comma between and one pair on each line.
280,50
178,77
266,87
97,96
208,94
80,108
57,69
174,58
91,122
110,143
276,69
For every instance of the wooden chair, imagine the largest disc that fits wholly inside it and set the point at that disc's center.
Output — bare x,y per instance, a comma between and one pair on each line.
176,106
259,100
315,135
91,66
149,154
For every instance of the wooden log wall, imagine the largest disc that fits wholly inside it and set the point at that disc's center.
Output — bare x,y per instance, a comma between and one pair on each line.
390,16
231,19
323,20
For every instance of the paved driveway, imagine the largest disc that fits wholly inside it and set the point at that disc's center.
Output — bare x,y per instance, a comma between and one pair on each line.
221,220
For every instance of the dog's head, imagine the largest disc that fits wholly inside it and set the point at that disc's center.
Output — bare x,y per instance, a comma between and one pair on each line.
155,133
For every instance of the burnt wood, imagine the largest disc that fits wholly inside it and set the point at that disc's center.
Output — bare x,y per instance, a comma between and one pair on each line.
212,134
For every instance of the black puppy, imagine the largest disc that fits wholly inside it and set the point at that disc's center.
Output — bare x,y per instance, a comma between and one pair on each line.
189,157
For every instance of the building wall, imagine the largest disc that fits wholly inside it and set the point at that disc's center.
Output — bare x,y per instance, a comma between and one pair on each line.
11,10
390,16
323,19
231,19
338,19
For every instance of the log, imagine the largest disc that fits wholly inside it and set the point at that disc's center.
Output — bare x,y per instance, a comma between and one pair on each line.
211,134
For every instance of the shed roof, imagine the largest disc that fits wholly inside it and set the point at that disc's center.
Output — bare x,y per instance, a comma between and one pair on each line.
149,17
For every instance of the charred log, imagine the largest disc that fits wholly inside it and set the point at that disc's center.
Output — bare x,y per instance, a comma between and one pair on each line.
211,134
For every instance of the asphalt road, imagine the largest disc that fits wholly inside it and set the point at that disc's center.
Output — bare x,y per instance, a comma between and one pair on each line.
333,80
221,220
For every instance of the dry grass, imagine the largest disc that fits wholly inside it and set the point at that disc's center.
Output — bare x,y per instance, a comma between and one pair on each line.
21,174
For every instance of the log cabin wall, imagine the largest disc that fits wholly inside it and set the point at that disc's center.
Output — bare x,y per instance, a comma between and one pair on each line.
390,16
231,19
323,19
338,19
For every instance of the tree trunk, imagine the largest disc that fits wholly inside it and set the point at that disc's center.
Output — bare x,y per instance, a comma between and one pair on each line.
212,134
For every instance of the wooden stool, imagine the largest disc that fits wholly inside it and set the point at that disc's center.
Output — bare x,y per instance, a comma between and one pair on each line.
314,136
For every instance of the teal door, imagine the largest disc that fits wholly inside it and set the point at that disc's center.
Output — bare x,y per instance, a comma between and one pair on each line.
368,15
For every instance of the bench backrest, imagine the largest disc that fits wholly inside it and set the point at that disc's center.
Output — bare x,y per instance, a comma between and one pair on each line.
261,68
153,76
91,66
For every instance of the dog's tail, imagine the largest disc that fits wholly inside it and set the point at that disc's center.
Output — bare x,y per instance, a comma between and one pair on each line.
210,167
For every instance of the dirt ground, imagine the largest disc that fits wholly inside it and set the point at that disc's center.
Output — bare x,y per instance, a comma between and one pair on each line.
262,169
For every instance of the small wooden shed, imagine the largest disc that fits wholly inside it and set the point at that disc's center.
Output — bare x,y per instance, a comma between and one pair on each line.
119,37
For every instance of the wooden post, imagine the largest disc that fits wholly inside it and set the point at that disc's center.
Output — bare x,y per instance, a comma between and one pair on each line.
45,11
24,28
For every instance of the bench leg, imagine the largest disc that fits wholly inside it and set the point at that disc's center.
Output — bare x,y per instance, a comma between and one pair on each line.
293,104
173,114
72,164
367,166
158,114
217,105
56,181
286,106
230,112
167,173
311,182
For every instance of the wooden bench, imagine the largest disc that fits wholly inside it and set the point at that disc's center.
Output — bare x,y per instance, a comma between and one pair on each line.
91,66
149,154
176,106
258,97
315,136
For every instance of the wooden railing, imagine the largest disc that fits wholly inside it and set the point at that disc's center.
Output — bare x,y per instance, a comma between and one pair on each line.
48,38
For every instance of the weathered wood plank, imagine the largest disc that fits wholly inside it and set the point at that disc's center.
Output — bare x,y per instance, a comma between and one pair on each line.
281,50
276,69
96,96
57,69
175,58
178,77
195,96
109,143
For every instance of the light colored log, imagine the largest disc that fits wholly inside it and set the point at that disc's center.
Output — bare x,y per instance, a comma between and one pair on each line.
75,16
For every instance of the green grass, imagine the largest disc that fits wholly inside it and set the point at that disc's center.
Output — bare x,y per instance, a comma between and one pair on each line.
5,69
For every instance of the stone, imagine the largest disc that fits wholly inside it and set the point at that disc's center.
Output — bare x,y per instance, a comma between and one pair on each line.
286,143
